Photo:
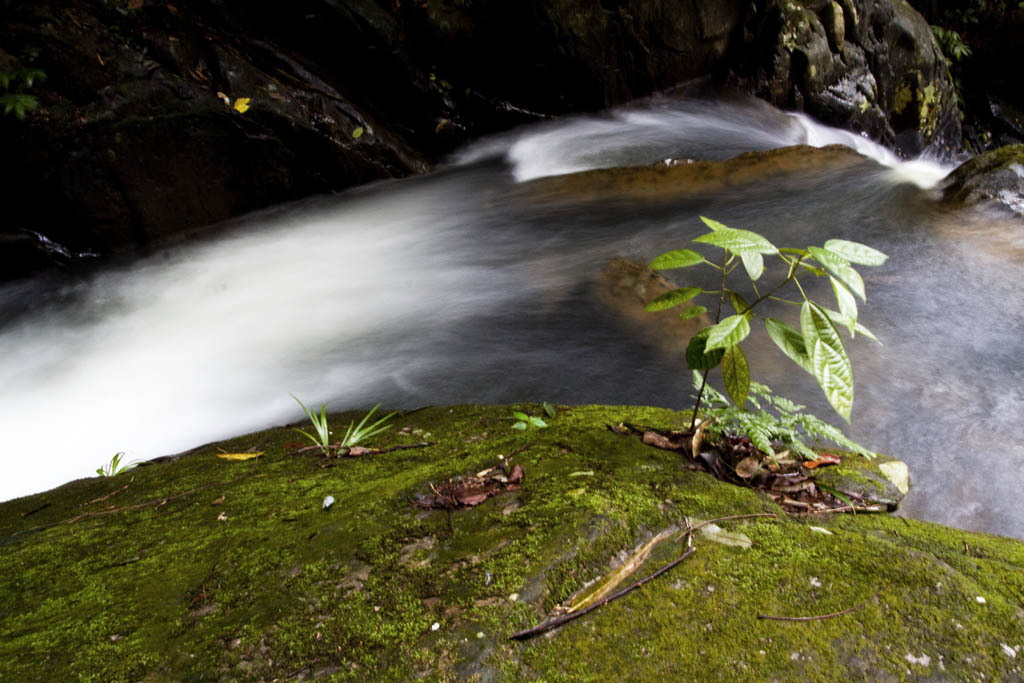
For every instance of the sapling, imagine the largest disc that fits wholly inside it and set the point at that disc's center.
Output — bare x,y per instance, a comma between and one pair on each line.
816,347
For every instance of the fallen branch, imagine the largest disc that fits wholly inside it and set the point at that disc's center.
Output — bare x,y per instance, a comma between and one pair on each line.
558,621
109,495
821,616
846,508
555,623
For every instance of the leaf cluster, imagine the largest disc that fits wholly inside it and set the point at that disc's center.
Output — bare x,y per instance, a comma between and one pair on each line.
15,102
776,422
353,435
116,466
523,420
816,347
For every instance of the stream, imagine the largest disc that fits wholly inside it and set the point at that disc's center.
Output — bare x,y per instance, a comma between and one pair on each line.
480,283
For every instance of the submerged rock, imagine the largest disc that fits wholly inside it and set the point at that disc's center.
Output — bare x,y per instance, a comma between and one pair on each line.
133,577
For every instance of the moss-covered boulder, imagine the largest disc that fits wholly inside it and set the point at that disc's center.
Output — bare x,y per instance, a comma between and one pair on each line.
996,176
205,568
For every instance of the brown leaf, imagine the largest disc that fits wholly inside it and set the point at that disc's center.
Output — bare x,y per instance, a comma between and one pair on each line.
357,451
748,466
516,475
661,441
218,501
222,517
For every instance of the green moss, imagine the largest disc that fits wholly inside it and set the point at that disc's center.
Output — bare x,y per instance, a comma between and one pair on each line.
278,587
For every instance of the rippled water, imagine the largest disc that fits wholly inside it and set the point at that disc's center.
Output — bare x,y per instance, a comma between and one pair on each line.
477,284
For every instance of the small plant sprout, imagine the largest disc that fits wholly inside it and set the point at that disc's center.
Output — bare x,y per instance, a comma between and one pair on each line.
116,466
816,347
360,432
323,433
523,420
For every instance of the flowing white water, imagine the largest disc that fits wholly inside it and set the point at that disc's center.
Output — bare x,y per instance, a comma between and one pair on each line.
466,287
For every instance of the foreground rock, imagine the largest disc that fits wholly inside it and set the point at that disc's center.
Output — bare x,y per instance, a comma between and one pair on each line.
201,567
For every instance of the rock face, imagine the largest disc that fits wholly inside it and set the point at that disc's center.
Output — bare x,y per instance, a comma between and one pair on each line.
991,85
868,66
200,567
996,176
158,118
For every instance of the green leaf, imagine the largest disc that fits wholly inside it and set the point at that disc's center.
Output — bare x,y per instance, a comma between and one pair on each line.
519,425
549,410
693,312
847,306
358,133
672,299
729,332
739,304
753,263
790,341
538,422
680,258
855,252
839,267
736,375
520,416
829,363
697,355
738,241
837,319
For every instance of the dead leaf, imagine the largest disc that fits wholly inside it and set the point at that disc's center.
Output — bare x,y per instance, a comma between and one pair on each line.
222,517
661,441
218,501
242,104
471,500
239,456
823,459
748,466
357,451
517,474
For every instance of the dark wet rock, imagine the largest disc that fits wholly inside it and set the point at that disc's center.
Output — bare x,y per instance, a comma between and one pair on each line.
872,67
139,136
991,84
996,176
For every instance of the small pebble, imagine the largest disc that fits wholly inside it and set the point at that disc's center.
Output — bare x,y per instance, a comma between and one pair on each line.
981,600
435,626
328,502
479,634
513,597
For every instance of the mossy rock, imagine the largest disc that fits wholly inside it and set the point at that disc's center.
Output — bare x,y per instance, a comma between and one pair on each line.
879,481
200,568
995,176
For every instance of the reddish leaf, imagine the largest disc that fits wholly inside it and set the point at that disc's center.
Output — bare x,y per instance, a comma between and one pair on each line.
517,474
471,499
823,459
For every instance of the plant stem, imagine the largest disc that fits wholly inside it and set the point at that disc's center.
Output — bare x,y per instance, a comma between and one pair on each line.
718,317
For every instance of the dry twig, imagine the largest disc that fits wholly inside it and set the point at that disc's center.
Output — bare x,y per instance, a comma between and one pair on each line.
820,616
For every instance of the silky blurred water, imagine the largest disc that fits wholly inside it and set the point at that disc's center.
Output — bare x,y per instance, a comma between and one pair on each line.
474,284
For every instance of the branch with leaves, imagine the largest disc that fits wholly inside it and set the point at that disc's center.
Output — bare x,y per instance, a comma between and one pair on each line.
816,347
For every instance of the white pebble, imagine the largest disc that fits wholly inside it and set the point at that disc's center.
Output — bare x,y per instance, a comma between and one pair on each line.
1010,652
981,600
435,626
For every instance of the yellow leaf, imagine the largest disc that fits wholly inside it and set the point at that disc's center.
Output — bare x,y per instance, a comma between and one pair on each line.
242,105
239,456
358,133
